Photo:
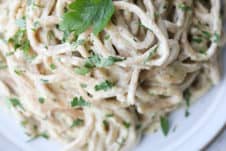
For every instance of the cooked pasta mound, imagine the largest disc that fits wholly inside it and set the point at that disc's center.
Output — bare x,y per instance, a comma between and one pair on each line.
102,92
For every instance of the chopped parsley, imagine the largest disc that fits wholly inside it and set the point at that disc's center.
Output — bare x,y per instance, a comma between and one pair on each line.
44,80
184,7
24,123
106,85
122,142
82,14
164,125
206,34
107,37
187,97
216,37
109,115
196,39
96,61
52,66
41,100
83,85
126,124
15,102
43,135
138,126
151,54
105,122
19,72
78,122
82,70
79,102
20,41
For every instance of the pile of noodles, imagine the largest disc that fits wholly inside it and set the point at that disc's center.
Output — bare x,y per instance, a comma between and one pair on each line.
169,46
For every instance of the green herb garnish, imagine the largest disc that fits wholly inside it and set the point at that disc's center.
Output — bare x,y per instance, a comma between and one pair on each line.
20,41
216,37
82,14
78,122
41,100
19,72
109,115
44,80
82,70
151,54
106,85
196,39
43,135
187,97
126,124
83,85
207,34
98,61
105,122
164,125
15,102
184,7
138,126
79,102
52,66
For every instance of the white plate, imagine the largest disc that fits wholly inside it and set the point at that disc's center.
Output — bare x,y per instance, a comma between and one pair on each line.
191,134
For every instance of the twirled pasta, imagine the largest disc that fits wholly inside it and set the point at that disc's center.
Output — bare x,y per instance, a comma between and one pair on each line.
169,47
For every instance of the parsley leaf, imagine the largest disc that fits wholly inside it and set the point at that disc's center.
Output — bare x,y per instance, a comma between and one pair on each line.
109,115
216,38
98,61
187,97
184,7
151,54
53,66
106,85
20,41
43,135
164,125
82,70
78,102
77,122
126,124
15,102
82,14
41,100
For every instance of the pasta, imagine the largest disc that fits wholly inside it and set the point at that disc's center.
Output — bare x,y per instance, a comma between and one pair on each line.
150,56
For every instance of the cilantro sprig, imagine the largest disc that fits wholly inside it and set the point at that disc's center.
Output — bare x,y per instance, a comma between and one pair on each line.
82,14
